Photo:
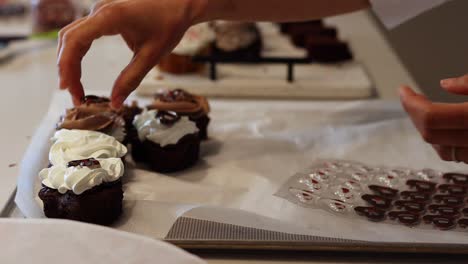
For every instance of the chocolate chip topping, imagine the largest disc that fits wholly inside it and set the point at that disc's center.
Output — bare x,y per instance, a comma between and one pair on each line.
90,163
93,99
404,217
410,206
456,178
453,189
422,186
441,222
176,95
167,118
386,192
444,210
372,213
377,201
463,223
448,199
415,196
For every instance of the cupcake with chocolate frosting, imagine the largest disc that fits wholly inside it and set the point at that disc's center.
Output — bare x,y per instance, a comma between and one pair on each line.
96,114
195,107
195,42
167,142
88,190
236,40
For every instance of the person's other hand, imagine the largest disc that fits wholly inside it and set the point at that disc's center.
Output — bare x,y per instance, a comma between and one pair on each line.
150,28
443,125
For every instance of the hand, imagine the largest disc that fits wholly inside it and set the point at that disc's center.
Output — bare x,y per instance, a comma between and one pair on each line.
151,28
443,125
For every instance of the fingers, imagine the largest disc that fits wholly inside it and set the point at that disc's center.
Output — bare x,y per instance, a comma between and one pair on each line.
427,115
459,154
458,85
129,79
75,41
98,5
64,30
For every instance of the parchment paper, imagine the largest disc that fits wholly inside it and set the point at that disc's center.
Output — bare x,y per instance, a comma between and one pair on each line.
254,147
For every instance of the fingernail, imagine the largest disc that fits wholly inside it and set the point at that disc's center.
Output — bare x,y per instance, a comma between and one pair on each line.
446,82
117,102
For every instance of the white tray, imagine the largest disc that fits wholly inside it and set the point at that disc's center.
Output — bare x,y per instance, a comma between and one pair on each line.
312,81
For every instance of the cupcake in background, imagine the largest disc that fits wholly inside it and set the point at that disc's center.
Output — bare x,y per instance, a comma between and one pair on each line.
128,113
236,40
88,190
95,114
167,142
195,107
195,42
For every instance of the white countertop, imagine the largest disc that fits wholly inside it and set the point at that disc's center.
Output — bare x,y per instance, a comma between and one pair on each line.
28,81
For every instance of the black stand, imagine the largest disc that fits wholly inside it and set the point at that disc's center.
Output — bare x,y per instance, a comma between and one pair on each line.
290,62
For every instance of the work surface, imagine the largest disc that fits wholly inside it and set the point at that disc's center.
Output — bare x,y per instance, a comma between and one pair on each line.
31,79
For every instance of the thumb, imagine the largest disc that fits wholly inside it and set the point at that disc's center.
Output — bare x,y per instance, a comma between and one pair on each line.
130,78
458,85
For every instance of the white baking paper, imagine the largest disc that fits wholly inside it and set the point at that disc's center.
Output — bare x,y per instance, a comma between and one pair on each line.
254,147
46,241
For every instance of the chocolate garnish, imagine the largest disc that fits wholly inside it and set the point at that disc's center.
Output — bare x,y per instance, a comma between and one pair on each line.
465,211
377,201
456,178
463,223
90,163
386,192
410,206
93,99
175,95
444,210
415,196
441,222
447,199
167,118
372,213
453,189
422,186
404,217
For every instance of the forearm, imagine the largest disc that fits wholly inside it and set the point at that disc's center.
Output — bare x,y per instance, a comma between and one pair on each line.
274,10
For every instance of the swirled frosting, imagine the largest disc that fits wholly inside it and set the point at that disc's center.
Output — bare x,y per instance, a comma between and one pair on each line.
94,114
150,128
195,39
231,36
79,179
76,144
181,102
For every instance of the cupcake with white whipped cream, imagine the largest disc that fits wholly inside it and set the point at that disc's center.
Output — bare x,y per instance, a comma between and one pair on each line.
196,41
167,142
83,181
88,190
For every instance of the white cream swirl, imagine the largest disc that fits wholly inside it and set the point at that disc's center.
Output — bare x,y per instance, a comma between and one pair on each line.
150,128
74,144
80,179
194,40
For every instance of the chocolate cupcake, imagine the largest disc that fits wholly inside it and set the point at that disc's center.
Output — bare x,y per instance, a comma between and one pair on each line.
185,104
86,190
94,114
128,114
300,27
195,42
328,50
236,40
167,142
69,145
